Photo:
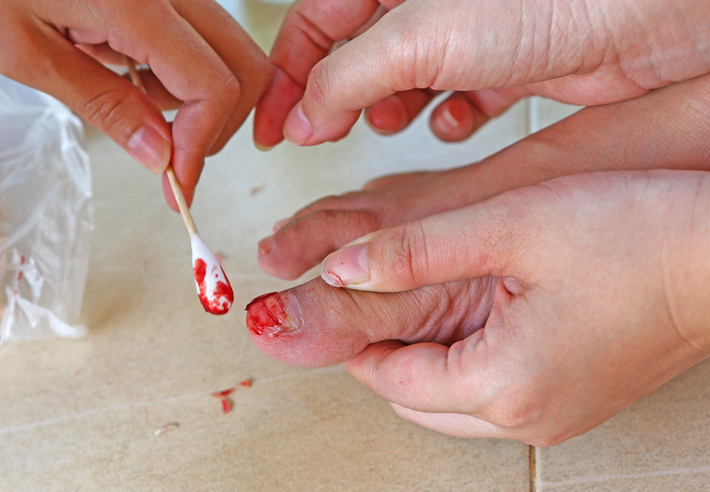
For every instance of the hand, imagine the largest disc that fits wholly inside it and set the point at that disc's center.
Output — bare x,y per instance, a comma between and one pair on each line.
200,61
666,128
599,299
582,52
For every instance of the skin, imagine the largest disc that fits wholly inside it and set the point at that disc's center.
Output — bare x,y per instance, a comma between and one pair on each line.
470,318
496,320
210,70
583,52
666,128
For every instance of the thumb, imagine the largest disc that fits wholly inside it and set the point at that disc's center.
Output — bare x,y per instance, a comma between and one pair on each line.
315,325
490,238
352,78
103,98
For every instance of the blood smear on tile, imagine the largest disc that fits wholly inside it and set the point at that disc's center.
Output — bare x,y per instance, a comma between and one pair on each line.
224,398
223,393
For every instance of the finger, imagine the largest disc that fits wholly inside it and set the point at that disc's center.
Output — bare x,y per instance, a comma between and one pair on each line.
191,71
237,50
352,78
394,113
303,240
155,89
354,200
316,325
286,255
157,92
101,52
490,238
393,179
309,31
452,424
231,43
106,100
463,113
426,377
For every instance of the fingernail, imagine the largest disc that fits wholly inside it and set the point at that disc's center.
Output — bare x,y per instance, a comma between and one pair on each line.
455,112
274,314
266,245
297,128
150,149
262,148
387,116
346,267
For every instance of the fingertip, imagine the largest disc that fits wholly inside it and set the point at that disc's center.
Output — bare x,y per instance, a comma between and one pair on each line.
263,148
453,120
272,109
297,128
387,116
270,263
298,326
149,148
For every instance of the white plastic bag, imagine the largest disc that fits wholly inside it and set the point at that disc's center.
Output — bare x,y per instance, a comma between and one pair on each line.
46,215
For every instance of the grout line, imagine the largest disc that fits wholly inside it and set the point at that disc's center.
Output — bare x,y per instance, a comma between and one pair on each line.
633,476
532,470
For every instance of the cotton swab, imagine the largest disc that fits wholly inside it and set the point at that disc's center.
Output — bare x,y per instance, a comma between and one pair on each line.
212,285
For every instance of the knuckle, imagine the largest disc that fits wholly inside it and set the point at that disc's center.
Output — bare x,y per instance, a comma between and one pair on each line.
347,201
407,252
231,91
507,230
330,202
107,111
319,83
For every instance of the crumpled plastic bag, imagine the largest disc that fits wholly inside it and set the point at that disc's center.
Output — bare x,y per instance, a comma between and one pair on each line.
46,216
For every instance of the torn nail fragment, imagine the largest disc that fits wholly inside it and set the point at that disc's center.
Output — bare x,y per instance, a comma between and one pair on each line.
166,428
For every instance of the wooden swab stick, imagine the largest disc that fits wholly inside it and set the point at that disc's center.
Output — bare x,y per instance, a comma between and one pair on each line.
213,287
174,183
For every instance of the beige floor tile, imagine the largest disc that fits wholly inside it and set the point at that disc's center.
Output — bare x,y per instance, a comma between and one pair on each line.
661,443
79,414
318,430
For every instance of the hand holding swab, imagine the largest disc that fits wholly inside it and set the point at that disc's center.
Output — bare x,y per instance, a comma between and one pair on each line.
213,287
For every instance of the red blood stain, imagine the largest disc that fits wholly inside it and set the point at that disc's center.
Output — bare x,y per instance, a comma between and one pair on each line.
223,393
336,280
226,405
245,384
266,314
223,397
223,295
19,275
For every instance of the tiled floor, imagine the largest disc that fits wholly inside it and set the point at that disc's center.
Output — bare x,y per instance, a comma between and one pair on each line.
81,414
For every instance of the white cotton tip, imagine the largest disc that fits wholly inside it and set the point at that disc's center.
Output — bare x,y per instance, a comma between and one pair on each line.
213,287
